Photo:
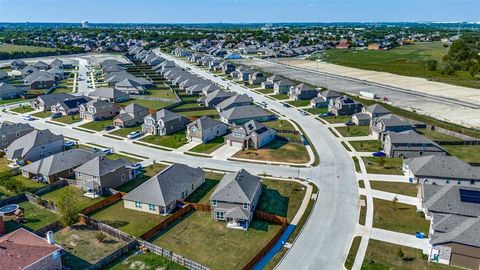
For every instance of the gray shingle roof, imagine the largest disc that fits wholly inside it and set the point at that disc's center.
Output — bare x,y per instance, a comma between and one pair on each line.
244,112
100,166
165,115
22,145
205,122
376,109
107,93
239,187
167,186
7,128
237,99
449,167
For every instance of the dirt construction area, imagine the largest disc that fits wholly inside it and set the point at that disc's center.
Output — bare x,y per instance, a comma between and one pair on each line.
446,102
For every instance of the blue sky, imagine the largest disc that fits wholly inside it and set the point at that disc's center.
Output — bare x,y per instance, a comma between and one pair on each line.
173,11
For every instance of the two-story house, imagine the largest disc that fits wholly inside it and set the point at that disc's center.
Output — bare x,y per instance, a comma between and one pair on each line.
389,122
133,114
205,129
302,92
344,106
234,101
408,144
11,132
252,134
70,105
164,122
96,110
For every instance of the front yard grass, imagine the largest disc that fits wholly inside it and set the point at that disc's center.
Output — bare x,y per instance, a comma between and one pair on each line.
123,132
352,253
42,114
200,238
280,96
337,119
265,91
398,217
174,140
366,146
406,189
299,103
151,104
80,201
209,147
280,124
68,119
22,109
317,110
98,125
278,151
383,255
353,131
35,217
145,261
146,174
468,153
383,165
198,114
129,221
116,156
82,248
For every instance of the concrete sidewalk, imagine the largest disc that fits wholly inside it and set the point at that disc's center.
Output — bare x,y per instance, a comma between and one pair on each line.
402,239
388,196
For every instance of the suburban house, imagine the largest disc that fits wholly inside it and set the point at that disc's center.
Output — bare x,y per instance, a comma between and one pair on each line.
330,94
256,78
441,170
282,87
101,172
96,110
22,249
40,65
242,114
40,80
235,198
33,146
109,95
454,232
59,165
252,134
234,101
270,81
70,105
302,92
27,70
215,97
159,194
57,63
164,122
17,64
205,129
131,115
8,91
227,67
11,132
130,86
318,102
368,113
409,144
45,102
344,106
389,122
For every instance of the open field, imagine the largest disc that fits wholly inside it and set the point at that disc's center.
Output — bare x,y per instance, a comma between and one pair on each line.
279,151
198,237
82,248
398,217
406,189
11,48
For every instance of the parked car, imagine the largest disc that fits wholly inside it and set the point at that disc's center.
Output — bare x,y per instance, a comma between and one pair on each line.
69,143
303,112
349,123
55,115
108,151
286,105
136,166
28,118
134,134
109,127
325,114
379,154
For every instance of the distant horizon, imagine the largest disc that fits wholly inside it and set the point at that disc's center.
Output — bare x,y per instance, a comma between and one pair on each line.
253,22
238,11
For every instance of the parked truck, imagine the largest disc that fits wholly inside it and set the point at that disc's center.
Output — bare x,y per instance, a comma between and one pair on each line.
368,94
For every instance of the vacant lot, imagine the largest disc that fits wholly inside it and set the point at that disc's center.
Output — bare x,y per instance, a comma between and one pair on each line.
279,151
398,217
382,255
366,146
406,189
145,261
82,246
469,153
174,140
198,237
353,131
10,48
383,165
132,222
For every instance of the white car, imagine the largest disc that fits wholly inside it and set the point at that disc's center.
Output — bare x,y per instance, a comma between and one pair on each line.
134,134
28,118
70,143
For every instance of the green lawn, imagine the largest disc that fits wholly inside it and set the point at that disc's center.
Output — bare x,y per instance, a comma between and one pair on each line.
366,146
281,198
383,165
145,261
130,221
198,237
82,247
406,189
186,106
280,124
352,253
469,153
279,151
337,119
35,217
174,140
405,60
208,147
22,109
161,93
116,156
97,125
280,96
42,114
363,210
68,119
383,255
123,132
151,104
299,103
265,91
398,217
11,48
12,100
317,110
436,136
80,201
146,174
211,113
353,131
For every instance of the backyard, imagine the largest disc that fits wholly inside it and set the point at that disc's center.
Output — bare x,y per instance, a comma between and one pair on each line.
35,217
81,201
468,153
398,217
145,261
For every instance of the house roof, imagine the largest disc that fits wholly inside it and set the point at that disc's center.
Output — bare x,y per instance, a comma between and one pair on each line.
41,64
134,108
238,187
330,94
449,167
61,161
7,128
21,248
52,99
165,115
100,166
236,99
167,186
244,112
39,76
303,87
205,122
107,93
22,145
237,213
459,230
216,94
391,120
409,137
6,88
75,102
376,109
98,104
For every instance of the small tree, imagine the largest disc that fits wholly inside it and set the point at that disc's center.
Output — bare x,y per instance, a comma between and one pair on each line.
400,253
66,208
100,236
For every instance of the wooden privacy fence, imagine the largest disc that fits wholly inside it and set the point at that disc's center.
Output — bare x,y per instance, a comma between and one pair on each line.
270,217
166,222
105,228
109,200
113,256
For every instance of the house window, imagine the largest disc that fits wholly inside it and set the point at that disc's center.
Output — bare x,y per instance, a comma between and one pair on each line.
219,215
94,177
138,204
472,182
214,203
4,137
152,207
122,177
245,206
